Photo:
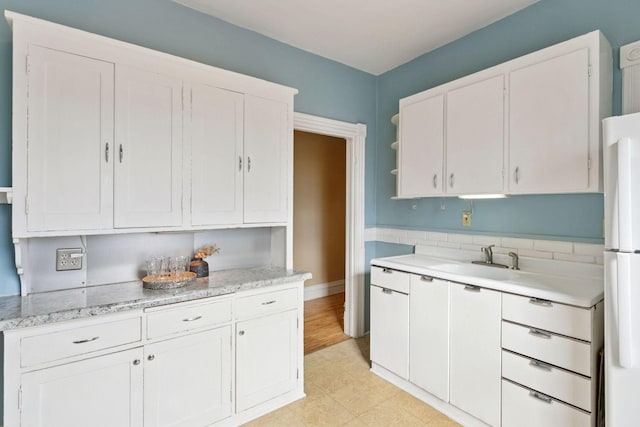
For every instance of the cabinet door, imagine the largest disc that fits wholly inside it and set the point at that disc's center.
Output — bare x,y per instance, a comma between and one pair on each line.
187,380
549,126
266,358
420,149
103,391
475,352
216,130
267,157
429,335
390,330
70,142
475,136
148,172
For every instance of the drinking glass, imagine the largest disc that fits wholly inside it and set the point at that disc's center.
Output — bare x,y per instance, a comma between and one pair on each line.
152,267
163,266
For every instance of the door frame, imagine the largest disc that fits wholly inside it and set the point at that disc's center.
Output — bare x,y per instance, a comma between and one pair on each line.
355,135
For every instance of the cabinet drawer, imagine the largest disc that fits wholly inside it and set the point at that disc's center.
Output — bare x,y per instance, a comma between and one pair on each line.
53,345
550,316
390,279
565,352
270,302
187,316
521,408
560,384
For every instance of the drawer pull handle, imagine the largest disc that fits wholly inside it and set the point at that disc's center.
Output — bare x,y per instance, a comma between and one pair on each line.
269,302
387,291
472,288
540,365
426,278
192,319
387,270
540,396
86,341
539,334
541,302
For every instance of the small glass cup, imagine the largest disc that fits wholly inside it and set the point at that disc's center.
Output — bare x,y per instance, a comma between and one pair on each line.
163,266
152,267
177,266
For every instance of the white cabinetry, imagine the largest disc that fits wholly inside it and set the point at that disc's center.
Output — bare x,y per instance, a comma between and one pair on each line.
421,147
216,129
549,125
429,335
268,159
74,394
267,347
475,138
148,172
549,130
70,164
475,352
389,346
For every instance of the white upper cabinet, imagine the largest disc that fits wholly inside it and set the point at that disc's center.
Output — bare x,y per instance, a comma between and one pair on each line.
267,138
70,140
549,125
217,156
421,147
475,138
109,137
148,173
528,126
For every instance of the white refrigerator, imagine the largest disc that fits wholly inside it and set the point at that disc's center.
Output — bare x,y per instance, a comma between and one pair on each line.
622,269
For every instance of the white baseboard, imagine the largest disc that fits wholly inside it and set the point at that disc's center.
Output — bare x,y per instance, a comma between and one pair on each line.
323,290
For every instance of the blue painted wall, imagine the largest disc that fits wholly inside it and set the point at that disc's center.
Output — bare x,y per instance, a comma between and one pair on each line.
565,217
327,88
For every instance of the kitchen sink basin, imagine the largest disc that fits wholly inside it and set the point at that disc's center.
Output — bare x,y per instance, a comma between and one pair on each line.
474,270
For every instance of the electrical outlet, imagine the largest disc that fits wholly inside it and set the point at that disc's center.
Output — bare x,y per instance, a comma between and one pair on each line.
466,219
69,259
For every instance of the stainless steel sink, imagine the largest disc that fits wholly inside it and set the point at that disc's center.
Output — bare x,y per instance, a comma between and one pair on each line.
476,270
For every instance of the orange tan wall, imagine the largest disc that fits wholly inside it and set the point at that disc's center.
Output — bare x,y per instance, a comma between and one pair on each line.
319,191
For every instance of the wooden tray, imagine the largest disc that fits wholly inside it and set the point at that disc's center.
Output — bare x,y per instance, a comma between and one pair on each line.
168,282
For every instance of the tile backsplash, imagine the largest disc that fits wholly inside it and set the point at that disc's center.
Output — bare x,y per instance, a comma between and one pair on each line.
544,249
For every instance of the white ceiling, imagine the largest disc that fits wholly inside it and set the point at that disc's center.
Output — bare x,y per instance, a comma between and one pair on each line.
371,35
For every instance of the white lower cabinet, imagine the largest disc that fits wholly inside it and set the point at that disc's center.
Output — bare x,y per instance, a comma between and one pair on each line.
474,361
169,365
389,344
103,391
187,380
429,335
266,358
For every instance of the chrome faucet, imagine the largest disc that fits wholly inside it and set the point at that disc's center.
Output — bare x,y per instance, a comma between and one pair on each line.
488,254
514,261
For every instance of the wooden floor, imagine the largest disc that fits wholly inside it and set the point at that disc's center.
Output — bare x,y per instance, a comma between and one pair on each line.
323,322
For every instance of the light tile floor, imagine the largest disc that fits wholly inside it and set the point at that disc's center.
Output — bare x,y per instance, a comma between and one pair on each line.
341,391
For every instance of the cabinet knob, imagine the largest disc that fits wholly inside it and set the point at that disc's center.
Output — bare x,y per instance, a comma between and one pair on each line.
435,180
151,357
451,180
121,151
248,163
516,174
239,163
241,333
106,152
136,362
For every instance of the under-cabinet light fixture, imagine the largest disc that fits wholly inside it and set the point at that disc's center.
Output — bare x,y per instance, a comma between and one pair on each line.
483,196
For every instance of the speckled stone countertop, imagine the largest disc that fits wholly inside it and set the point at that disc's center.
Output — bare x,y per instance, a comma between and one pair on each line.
48,307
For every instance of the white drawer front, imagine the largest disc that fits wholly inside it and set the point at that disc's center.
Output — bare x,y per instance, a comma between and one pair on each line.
554,349
520,408
550,316
390,279
270,302
557,383
52,345
183,317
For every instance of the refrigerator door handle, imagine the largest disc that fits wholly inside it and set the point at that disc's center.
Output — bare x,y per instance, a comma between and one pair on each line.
625,194
625,343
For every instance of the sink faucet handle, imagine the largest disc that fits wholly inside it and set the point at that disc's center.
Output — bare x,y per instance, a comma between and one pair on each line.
514,261
488,253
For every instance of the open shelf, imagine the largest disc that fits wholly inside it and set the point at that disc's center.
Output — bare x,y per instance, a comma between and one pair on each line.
6,195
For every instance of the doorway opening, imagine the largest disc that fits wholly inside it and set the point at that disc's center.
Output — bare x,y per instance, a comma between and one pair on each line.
353,136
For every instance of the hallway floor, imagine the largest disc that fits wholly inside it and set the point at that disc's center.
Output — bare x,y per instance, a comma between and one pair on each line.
341,391
323,322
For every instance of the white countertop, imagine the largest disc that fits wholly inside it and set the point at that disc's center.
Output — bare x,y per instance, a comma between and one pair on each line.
563,282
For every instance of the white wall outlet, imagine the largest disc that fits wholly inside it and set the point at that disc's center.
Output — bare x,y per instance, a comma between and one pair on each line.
466,219
69,259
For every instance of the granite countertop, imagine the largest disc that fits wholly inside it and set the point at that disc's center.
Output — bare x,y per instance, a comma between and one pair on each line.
48,307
